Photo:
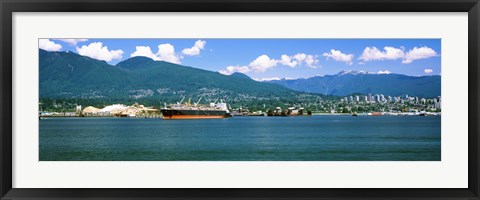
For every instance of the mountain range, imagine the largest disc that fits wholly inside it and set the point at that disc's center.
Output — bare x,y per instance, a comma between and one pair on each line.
350,82
69,75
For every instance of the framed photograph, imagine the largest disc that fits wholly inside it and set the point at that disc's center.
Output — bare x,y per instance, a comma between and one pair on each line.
246,100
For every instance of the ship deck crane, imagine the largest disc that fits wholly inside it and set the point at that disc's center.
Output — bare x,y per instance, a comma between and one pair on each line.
198,101
181,101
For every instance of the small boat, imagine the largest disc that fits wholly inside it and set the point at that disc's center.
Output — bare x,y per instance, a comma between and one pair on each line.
354,114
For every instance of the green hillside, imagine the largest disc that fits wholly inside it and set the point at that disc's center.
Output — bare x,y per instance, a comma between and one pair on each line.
66,75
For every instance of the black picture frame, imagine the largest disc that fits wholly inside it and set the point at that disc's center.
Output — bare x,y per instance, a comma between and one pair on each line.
8,7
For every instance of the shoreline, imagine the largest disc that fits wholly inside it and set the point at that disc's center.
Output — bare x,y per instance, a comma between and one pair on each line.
242,116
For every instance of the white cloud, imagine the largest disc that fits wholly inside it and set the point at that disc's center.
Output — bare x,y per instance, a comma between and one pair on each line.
48,45
144,51
384,72
310,60
287,60
428,71
97,51
389,53
300,57
262,63
166,52
418,53
195,50
72,41
267,79
339,56
232,69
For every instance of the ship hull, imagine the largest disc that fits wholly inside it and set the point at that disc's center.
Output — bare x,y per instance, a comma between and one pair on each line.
194,114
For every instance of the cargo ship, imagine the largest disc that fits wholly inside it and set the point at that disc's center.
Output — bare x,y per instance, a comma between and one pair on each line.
196,111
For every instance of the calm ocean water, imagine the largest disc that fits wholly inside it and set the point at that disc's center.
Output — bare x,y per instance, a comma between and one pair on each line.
316,138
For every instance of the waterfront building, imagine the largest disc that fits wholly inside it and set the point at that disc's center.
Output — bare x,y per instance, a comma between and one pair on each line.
78,109
423,101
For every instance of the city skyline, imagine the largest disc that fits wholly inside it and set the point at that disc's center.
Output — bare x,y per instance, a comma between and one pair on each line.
269,59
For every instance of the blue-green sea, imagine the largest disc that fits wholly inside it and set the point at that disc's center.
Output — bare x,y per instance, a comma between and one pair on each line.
315,138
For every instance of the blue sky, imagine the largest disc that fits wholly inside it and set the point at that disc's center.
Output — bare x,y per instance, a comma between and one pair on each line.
265,59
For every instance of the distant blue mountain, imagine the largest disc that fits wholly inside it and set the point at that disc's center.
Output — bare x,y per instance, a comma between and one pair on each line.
350,82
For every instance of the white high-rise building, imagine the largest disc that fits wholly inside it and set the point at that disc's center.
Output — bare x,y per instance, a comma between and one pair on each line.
438,105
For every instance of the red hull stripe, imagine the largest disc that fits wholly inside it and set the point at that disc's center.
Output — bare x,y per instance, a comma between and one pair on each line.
194,117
